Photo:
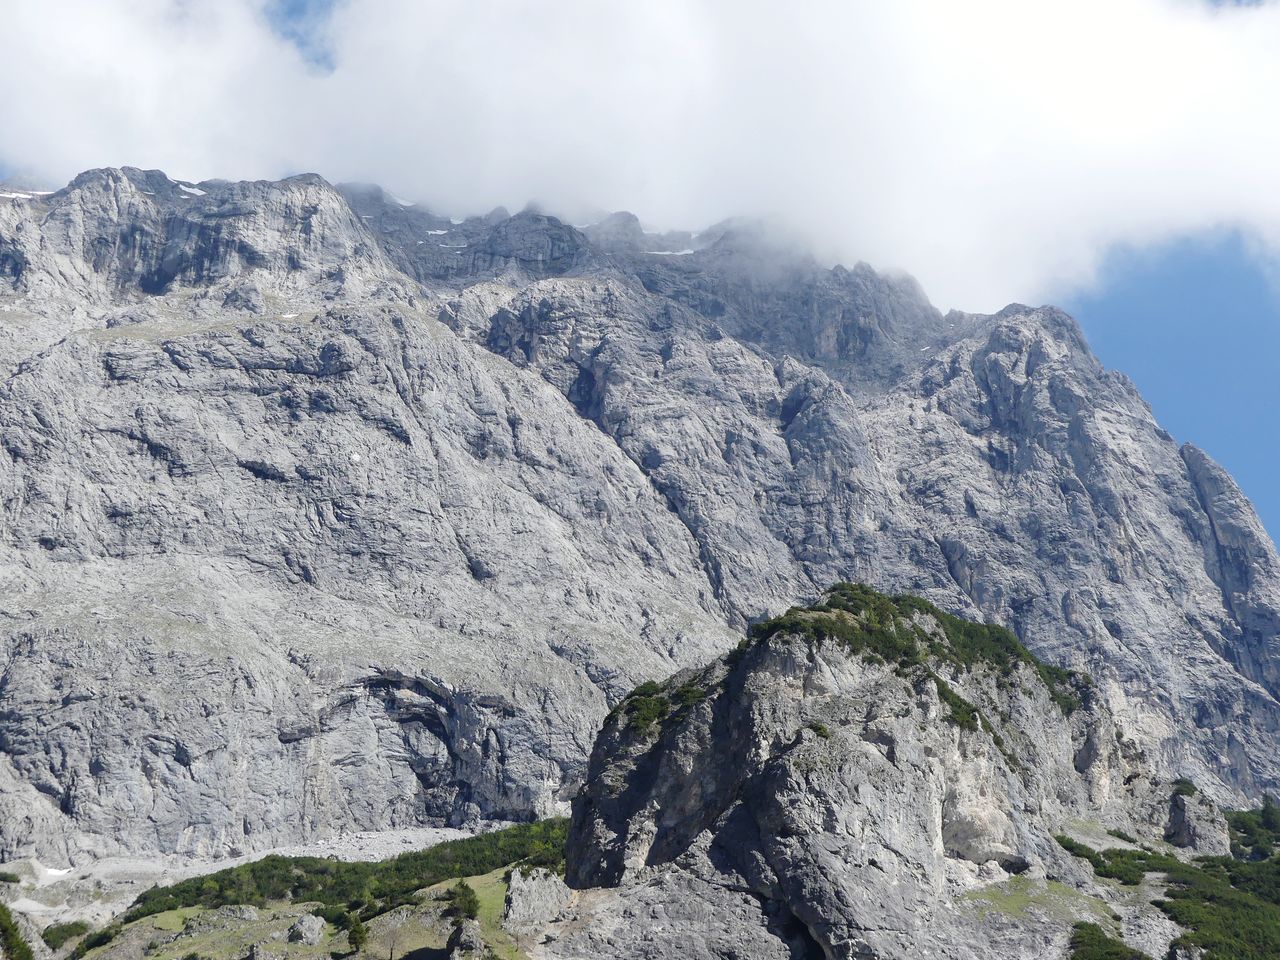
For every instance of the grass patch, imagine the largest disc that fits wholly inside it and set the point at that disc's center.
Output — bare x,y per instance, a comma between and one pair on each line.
56,935
491,896
1090,942
1017,896
171,921
490,891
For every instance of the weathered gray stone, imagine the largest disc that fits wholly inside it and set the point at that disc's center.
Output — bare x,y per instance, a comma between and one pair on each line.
466,941
1195,822
308,930
535,897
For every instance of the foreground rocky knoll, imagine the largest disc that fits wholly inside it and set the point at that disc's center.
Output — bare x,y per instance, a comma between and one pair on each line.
847,783
322,512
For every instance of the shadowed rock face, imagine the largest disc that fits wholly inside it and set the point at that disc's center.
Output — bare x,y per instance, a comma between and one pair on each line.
323,512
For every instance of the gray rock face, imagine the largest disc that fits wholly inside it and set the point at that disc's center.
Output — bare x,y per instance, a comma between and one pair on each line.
850,800
466,941
316,518
1195,822
308,930
535,897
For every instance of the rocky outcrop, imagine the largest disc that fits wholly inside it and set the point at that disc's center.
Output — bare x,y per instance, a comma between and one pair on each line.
466,941
535,897
307,930
851,774
323,512
1196,823
303,582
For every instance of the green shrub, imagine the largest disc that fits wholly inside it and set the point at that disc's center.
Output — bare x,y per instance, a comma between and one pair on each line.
687,694
14,947
1090,942
7,877
1270,814
821,730
644,712
372,887
1182,787
1229,908
1255,833
650,703
340,917
99,938
465,901
962,713
1121,835
57,934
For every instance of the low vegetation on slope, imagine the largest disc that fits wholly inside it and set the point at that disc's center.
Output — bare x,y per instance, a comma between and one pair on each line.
873,625
1230,907
349,894
56,935
12,946
367,888
1090,942
1255,833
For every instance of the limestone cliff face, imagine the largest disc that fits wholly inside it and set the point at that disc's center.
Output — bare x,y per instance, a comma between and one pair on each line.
321,512
847,803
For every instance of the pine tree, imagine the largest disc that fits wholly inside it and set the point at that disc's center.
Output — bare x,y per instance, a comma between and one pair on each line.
1270,813
357,936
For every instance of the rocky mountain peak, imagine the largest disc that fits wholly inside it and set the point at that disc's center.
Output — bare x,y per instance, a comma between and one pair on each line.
119,234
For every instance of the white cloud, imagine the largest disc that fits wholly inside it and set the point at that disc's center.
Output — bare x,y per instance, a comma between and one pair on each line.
995,148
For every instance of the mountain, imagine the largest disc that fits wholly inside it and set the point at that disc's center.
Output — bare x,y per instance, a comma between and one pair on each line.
324,513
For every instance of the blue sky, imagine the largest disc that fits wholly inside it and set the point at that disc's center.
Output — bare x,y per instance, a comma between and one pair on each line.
1196,325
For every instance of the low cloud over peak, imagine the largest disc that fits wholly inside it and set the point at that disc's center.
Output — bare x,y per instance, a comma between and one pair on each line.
994,149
